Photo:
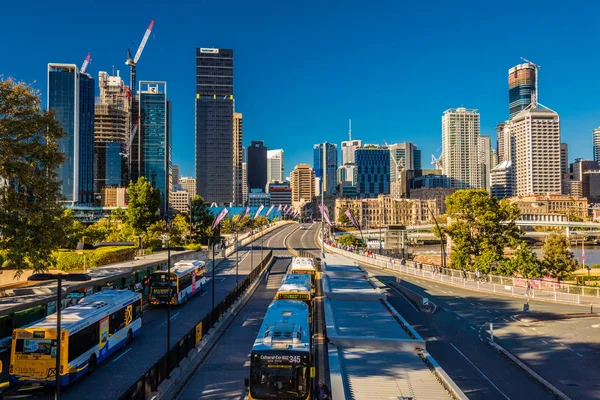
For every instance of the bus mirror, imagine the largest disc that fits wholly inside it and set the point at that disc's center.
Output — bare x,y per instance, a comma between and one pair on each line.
313,373
246,382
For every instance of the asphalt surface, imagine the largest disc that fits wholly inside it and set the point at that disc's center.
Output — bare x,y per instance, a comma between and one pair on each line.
221,375
564,352
115,375
456,335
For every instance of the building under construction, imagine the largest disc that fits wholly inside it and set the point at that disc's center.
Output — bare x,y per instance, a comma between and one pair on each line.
112,124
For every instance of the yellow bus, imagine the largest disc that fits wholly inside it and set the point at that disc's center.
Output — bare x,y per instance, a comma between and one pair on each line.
304,265
295,287
91,331
187,279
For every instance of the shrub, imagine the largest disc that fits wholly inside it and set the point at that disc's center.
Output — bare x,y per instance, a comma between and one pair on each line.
596,266
194,246
72,261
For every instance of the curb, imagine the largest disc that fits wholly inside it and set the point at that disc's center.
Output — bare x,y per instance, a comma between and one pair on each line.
530,371
171,387
442,376
430,309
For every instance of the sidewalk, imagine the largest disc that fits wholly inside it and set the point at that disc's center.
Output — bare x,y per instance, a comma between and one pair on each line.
509,286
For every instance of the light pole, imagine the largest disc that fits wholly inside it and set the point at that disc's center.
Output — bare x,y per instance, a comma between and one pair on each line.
170,287
213,239
443,248
237,257
59,278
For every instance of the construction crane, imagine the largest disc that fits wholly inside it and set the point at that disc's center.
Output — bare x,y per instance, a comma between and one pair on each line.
85,64
535,93
132,62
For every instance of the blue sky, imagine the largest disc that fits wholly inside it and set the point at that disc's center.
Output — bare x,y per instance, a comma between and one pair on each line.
302,69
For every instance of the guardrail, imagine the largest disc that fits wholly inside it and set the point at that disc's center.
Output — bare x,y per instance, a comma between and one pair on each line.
161,370
537,289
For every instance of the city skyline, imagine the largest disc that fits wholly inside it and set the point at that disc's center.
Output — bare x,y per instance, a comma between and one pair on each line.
262,89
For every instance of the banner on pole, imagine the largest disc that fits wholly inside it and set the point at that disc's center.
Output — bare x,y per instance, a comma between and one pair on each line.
351,218
219,218
269,210
259,211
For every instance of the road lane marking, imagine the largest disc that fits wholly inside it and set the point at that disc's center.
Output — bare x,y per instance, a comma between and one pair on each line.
505,320
478,370
176,314
488,311
458,318
122,354
497,311
480,304
472,304
579,354
472,328
544,341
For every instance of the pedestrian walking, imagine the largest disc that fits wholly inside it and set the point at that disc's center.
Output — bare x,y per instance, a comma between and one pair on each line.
322,392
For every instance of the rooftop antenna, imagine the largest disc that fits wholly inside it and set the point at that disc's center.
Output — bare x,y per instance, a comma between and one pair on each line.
350,129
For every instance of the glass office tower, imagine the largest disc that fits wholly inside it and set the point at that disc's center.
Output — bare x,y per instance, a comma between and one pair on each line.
71,97
155,138
521,84
326,173
372,171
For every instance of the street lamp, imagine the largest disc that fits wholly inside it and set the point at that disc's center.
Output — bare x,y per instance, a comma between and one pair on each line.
59,278
443,247
213,239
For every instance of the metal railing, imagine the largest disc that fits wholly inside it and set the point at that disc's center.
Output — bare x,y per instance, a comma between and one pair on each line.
161,370
521,287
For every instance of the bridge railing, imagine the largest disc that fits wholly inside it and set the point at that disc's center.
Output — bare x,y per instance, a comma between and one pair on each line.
161,370
537,288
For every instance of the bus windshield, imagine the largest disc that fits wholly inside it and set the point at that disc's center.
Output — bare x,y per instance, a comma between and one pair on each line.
279,381
160,279
36,346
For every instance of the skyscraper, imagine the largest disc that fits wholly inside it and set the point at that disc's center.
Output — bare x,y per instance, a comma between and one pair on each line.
596,144
405,158
214,124
189,185
257,165
485,155
372,171
537,161
325,166
348,149
564,168
71,96
154,138
111,134
302,181
275,166
238,158
521,85
175,174
460,144
500,133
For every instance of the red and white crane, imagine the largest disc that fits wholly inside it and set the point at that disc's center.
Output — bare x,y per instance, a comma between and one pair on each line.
85,64
132,61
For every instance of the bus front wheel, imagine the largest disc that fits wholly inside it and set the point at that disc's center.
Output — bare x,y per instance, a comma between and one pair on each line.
92,364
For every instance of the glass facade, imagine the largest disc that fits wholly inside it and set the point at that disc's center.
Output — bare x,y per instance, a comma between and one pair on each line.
214,124
330,170
155,139
257,165
372,171
71,97
521,84
110,165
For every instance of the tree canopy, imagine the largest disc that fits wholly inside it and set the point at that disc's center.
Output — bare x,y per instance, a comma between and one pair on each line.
558,260
144,203
350,240
32,222
480,224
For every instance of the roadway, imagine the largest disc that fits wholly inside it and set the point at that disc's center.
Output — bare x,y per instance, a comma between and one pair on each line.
221,375
456,334
115,375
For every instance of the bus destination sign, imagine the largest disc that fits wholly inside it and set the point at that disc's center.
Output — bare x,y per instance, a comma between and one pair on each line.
280,358
293,296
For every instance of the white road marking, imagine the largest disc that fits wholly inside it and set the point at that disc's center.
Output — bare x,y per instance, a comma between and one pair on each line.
458,318
579,354
472,304
524,330
488,311
472,328
505,320
544,341
478,370
176,314
122,354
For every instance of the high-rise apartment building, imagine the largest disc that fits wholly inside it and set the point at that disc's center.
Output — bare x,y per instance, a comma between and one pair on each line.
485,159
244,183
256,159
565,176
302,181
214,124
500,133
460,144
325,166
596,144
502,180
238,158
71,96
521,85
275,166
372,171
537,161
189,185
348,149
181,201
112,127
154,138
585,179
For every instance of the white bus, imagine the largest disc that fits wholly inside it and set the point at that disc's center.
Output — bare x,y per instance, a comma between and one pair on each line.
304,265
187,278
295,287
91,331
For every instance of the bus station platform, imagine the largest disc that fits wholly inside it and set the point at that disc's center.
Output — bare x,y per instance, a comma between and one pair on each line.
373,351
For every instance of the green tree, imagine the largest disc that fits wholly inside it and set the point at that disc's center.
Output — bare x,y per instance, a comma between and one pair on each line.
487,262
32,223
144,203
558,260
260,221
118,215
201,218
178,230
525,262
343,218
480,223
350,240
